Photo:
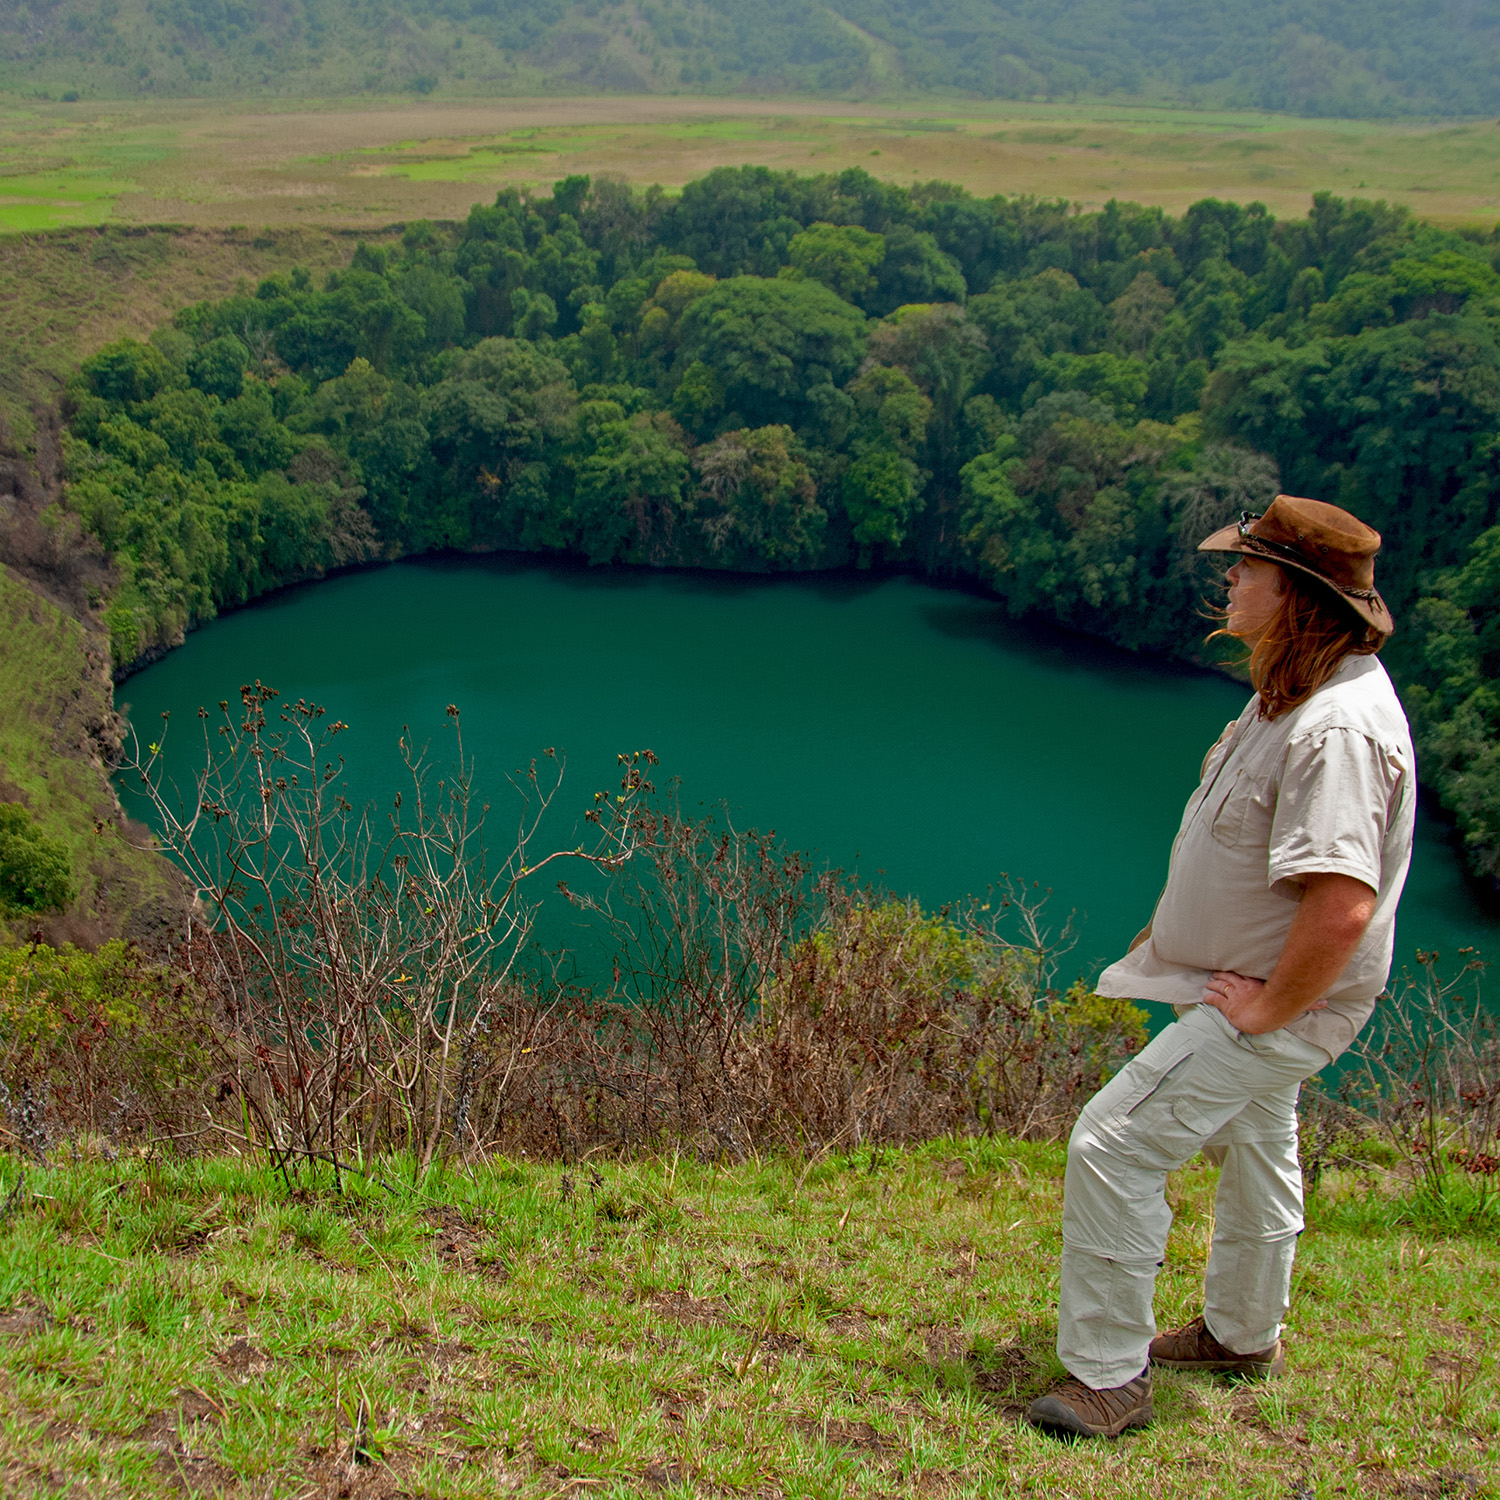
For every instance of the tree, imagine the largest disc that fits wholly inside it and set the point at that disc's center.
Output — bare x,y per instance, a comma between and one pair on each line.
377,423
843,257
768,344
914,269
219,367
891,412
1026,320
437,298
1455,660
126,372
629,493
357,316
247,426
879,491
945,354
1002,531
35,870
1119,382
659,329
1137,314
760,505
501,408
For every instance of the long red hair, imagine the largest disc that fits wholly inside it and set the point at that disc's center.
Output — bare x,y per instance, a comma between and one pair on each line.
1304,644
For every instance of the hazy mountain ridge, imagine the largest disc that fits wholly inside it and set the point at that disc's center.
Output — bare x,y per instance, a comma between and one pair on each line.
1320,57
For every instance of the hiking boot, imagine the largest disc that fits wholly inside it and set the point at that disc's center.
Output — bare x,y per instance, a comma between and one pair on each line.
1076,1408
1195,1348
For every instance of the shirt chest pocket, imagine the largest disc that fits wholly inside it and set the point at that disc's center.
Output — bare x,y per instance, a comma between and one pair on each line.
1242,812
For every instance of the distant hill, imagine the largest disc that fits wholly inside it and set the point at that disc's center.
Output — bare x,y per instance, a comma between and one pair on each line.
1319,57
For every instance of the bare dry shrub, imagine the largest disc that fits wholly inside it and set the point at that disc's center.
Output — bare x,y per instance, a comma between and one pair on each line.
362,988
1426,1074
765,1009
892,1024
357,969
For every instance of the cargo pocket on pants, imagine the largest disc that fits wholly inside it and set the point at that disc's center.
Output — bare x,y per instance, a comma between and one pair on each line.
1191,1118
1163,1130
1176,1066
1173,1133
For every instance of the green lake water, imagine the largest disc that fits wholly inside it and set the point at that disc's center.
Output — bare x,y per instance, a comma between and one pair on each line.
912,734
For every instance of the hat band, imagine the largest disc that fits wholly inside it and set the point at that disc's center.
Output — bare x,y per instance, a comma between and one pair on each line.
1286,551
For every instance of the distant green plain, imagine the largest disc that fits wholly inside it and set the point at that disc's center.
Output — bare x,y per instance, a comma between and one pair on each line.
216,164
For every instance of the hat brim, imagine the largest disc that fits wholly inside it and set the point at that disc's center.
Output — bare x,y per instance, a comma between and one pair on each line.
1372,611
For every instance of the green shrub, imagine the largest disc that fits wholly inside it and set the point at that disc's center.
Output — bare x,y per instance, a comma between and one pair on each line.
108,1044
35,871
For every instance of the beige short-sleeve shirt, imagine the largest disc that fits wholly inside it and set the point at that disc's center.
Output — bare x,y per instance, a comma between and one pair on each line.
1329,786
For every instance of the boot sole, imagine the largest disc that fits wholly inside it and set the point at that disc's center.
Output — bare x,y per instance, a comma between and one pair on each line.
1242,1368
1056,1417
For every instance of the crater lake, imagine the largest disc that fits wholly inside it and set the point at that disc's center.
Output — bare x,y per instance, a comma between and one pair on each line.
914,735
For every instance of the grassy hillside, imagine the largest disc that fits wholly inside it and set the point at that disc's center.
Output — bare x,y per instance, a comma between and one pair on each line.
56,722
1329,57
60,297
860,1325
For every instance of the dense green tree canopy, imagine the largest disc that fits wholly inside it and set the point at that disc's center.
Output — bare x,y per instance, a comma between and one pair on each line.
770,347
744,378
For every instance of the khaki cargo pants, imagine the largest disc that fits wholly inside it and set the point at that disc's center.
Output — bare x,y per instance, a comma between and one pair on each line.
1198,1086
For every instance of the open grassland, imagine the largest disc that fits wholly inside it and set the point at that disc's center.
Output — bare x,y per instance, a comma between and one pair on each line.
216,163
858,1326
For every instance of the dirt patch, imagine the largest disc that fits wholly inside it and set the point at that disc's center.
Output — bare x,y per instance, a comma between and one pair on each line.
945,1346
461,1245
676,1405
1441,1485
175,1434
194,1474
439,1422
1005,1376
21,1321
784,1343
243,1360
848,1326
408,1333
939,1482
449,1354
662,1472
338,1476
1245,1409
244,1300
683,1307
860,1437
192,1411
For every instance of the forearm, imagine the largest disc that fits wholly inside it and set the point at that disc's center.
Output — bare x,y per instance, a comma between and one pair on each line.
1331,918
1316,953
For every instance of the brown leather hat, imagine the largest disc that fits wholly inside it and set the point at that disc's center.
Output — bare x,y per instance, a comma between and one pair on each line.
1318,539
